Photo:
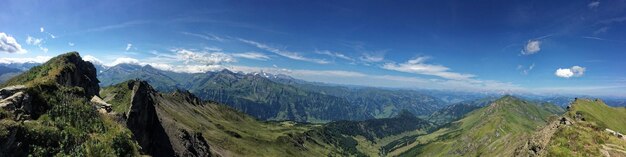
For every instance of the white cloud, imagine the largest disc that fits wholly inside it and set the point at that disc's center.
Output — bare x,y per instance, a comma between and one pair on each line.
593,4
38,59
418,66
334,54
92,59
574,71
284,53
33,41
36,42
125,60
8,44
128,46
252,55
207,58
532,47
41,29
71,44
206,37
372,58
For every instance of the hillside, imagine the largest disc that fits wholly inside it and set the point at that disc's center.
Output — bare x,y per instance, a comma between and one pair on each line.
46,112
585,131
228,132
496,129
456,111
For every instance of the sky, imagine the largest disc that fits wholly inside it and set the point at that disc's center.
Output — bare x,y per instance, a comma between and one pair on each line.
541,47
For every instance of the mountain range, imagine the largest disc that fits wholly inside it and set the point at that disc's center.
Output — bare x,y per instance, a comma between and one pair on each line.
59,109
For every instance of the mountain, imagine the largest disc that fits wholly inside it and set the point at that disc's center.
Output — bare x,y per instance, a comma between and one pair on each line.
179,122
458,110
265,99
166,81
7,73
280,97
494,130
378,102
46,111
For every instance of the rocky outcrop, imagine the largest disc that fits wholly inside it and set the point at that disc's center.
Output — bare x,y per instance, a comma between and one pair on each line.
155,131
17,101
536,145
101,105
83,74
143,120
194,144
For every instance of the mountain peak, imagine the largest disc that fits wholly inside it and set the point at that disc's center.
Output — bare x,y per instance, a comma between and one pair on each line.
67,69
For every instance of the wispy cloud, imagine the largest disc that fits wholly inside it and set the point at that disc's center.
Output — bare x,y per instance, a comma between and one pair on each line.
593,4
252,55
367,57
284,53
419,66
8,44
36,42
334,54
115,26
603,39
524,70
210,37
128,46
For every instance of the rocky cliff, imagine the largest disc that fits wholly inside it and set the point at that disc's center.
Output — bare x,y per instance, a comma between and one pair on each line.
145,119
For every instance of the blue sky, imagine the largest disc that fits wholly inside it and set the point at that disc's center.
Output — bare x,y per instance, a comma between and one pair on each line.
569,47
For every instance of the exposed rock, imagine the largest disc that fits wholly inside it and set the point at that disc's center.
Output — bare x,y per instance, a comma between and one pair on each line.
16,101
83,75
10,90
100,105
143,121
194,144
537,144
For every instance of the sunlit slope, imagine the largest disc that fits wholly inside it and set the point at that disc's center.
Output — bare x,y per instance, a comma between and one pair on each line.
494,130
585,134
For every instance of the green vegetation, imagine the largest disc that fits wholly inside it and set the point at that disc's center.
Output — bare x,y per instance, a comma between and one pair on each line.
493,130
118,96
587,135
60,121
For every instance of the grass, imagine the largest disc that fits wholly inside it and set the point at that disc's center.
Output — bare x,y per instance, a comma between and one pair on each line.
493,130
118,96
601,114
587,137
61,121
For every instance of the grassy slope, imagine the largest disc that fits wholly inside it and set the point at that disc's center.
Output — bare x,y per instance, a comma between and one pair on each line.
228,132
587,138
489,131
65,122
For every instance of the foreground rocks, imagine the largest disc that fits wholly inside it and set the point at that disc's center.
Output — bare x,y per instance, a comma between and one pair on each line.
14,99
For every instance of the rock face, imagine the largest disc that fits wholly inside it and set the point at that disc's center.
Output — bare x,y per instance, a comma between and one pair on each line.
194,144
82,75
538,143
143,121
